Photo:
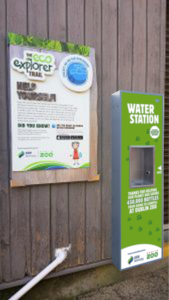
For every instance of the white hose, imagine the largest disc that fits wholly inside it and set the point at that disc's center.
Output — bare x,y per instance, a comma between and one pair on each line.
60,255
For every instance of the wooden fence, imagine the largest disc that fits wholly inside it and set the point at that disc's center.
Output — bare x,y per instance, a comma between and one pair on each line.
129,38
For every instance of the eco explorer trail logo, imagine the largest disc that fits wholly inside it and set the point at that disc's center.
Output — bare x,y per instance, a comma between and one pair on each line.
35,65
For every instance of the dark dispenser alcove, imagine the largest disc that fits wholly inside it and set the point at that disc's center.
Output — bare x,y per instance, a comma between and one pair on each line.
142,160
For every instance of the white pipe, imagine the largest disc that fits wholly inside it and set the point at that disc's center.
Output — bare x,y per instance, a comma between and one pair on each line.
60,255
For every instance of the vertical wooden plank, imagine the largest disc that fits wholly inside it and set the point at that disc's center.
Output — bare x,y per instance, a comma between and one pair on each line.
75,21
4,158
93,190
40,228
20,233
163,89
75,11
40,195
166,124
139,46
59,192
162,45
37,18
125,45
20,239
109,86
59,218
77,223
57,20
153,47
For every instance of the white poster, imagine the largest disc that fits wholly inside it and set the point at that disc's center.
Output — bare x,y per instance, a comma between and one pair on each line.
50,109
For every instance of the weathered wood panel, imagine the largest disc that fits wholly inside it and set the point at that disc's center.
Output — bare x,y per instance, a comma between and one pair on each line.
19,198
139,46
129,40
125,44
153,47
93,190
59,193
5,263
40,228
57,26
40,195
20,233
163,23
77,191
165,55
109,86
38,18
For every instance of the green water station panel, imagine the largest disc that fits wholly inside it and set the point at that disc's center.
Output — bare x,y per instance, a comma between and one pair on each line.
137,178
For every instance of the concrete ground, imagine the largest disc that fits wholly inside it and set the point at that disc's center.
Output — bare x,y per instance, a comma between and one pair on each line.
150,286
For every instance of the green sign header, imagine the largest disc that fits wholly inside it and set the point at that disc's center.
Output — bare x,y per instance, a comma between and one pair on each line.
32,41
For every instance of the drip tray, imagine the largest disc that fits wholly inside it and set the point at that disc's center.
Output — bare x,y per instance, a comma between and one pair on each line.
136,183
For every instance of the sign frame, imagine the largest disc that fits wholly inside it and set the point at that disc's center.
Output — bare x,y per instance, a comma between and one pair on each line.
28,178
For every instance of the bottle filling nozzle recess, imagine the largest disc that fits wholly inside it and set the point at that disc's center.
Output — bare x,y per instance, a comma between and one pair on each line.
137,178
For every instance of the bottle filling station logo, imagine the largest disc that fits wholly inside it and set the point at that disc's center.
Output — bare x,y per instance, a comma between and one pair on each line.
76,73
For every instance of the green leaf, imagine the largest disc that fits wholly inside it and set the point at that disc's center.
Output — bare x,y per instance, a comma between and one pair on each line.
32,41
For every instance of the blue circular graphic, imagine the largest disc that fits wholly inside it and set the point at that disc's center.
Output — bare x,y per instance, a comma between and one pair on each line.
77,73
